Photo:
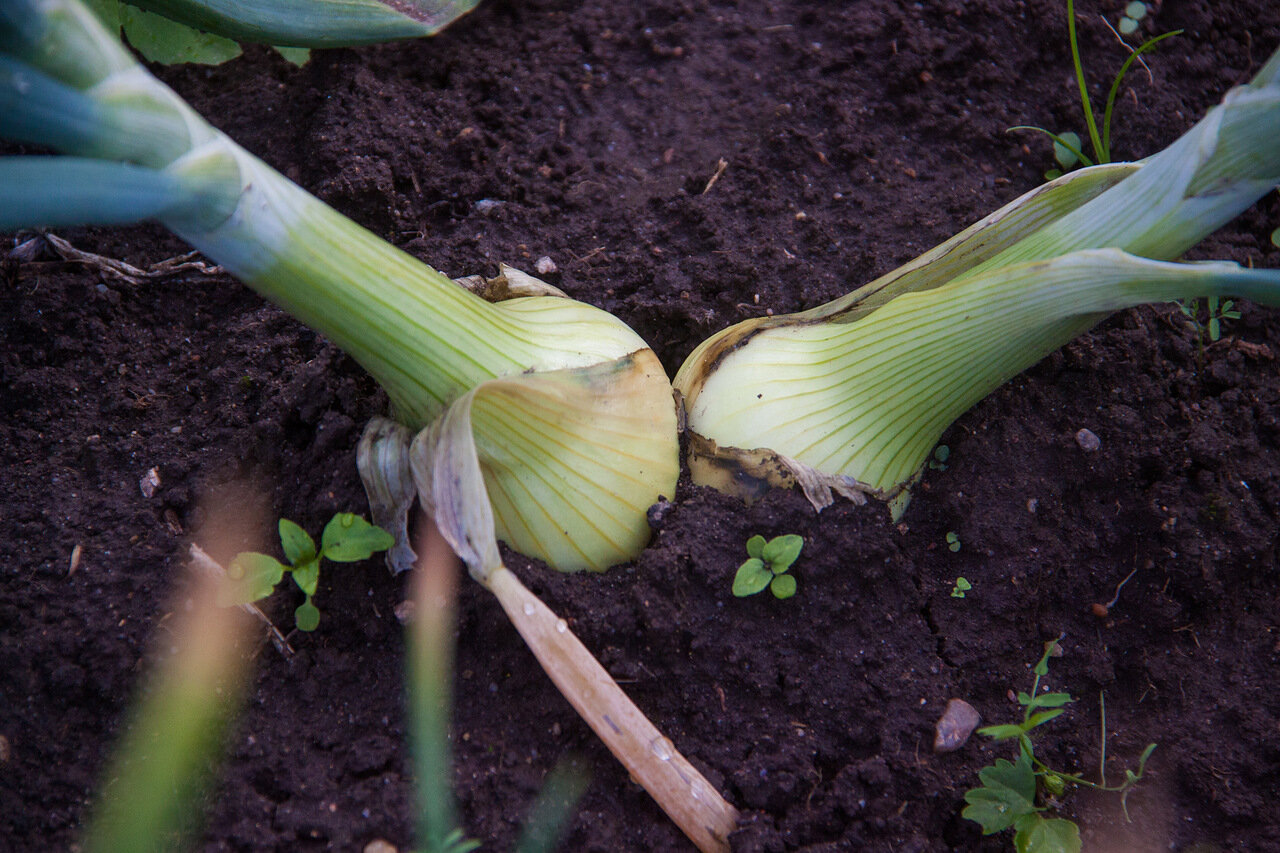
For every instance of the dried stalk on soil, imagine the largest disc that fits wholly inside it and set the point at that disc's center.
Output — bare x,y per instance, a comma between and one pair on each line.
447,471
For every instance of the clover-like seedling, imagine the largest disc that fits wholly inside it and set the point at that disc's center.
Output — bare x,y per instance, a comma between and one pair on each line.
767,564
1133,15
347,538
961,587
953,541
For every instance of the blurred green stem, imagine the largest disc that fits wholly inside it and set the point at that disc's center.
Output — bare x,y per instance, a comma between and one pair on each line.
151,797
431,648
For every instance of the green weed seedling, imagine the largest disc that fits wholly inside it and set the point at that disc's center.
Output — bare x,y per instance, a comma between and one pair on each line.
962,586
941,454
1215,311
347,538
953,541
767,565
1068,150
1008,795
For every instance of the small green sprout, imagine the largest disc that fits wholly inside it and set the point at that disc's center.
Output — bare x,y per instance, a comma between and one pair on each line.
347,538
1007,797
962,586
1068,149
767,565
953,541
1216,310
941,454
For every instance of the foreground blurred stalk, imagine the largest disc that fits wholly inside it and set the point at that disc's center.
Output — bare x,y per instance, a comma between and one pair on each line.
431,652
430,676
852,396
156,776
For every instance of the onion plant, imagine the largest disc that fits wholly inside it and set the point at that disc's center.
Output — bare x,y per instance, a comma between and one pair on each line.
138,151
570,419
851,397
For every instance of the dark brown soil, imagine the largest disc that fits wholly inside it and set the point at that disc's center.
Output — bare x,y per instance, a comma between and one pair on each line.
593,129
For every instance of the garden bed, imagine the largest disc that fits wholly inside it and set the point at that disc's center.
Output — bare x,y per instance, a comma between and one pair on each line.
855,137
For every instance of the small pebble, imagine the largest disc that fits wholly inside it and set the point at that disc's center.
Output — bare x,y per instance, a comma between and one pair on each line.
404,611
379,845
1088,441
545,266
955,725
149,483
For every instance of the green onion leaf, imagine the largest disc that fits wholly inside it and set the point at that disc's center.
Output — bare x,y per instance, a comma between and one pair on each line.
314,23
74,192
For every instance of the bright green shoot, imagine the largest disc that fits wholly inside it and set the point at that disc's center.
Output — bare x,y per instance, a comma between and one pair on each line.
962,586
1007,797
767,566
1068,150
347,538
